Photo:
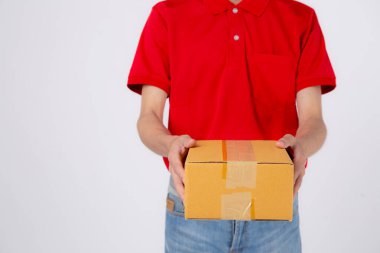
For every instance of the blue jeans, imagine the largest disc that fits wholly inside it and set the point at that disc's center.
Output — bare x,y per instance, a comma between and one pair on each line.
228,236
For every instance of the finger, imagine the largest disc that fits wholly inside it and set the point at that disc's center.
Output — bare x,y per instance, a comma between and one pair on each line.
299,152
297,185
299,162
179,170
183,154
187,141
299,159
176,160
280,143
170,168
178,186
190,142
297,172
287,140
182,150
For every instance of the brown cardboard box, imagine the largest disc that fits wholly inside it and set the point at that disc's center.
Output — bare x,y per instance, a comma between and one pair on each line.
238,180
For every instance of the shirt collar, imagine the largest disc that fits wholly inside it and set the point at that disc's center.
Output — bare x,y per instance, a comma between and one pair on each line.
257,7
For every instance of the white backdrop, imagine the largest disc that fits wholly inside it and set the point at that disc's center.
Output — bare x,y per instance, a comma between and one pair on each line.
74,175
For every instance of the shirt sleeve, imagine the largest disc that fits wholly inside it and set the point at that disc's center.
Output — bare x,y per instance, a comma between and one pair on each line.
314,66
151,61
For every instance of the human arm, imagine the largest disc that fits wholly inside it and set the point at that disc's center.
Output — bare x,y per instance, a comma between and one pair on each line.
310,134
158,138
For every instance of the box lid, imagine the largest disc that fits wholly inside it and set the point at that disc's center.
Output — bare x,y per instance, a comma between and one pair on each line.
260,151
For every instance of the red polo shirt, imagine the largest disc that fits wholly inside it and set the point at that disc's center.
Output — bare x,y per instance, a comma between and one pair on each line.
231,71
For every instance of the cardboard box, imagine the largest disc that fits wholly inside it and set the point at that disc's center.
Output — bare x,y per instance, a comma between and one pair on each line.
238,180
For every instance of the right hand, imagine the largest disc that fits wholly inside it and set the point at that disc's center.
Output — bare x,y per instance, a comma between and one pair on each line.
177,152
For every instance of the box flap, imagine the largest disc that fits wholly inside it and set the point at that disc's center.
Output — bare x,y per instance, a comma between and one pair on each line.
266,151
260,151
206,151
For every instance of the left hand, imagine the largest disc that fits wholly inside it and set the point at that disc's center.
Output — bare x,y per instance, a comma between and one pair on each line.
299,158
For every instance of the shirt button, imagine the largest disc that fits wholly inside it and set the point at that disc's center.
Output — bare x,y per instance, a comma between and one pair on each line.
236,37
235,10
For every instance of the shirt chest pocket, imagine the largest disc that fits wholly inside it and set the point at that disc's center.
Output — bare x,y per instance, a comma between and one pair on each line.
273,78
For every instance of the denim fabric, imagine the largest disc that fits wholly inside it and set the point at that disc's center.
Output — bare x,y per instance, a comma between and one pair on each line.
228,236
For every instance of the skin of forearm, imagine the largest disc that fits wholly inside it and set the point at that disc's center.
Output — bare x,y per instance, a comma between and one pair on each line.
311,135
154,134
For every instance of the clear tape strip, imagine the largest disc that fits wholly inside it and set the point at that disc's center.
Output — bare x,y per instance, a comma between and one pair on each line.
237,206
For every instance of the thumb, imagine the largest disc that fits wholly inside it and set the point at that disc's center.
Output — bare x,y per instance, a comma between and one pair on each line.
280,144
189,142
286,141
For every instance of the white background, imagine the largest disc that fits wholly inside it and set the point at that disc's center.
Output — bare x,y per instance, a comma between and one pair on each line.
74,175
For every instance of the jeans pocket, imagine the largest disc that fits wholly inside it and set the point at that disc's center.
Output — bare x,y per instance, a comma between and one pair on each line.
174,205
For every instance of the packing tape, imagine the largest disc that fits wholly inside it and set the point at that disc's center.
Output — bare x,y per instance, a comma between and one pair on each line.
240,174
224,150
224,157
237,206
238,150
239,166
